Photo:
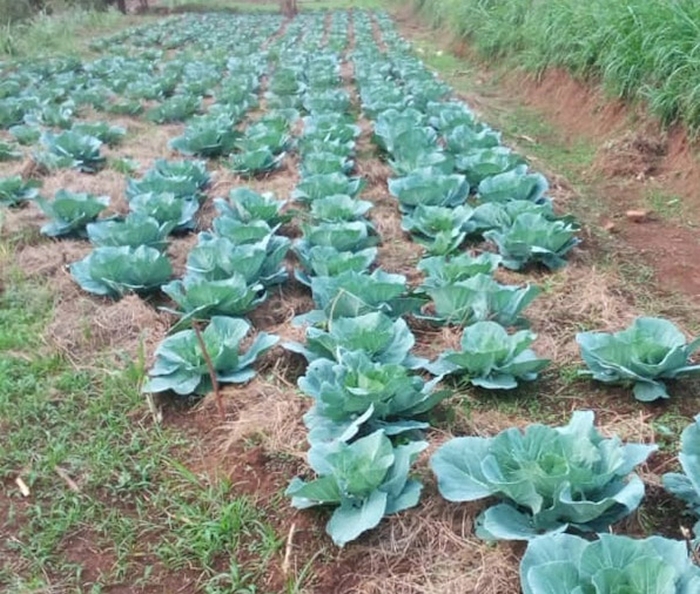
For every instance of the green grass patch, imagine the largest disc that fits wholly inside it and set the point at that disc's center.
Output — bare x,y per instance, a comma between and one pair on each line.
101,472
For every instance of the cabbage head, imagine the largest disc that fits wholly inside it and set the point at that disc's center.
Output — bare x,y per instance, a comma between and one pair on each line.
364,481
650,351
611,564
181,367
686,486
491,358
549,479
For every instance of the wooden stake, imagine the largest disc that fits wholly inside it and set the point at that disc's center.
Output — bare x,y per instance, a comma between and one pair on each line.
212,371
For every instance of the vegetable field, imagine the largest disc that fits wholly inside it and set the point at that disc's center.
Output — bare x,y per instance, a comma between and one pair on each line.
281,312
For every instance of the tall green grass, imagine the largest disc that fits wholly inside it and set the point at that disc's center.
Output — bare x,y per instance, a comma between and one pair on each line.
638,49
60,33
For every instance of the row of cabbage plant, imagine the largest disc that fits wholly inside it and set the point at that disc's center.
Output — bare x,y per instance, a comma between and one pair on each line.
362,428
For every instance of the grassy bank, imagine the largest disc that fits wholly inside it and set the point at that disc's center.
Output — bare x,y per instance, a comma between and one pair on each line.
639,49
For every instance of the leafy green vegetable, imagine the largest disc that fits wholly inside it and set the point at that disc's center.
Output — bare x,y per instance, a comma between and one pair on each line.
183,179
166,208
218,258
516,184
356,396
646,353
322,260
686,486
175,109
14,190
255,162
210,137
72,149
338,208
534,238
464,138
114,271
479,298
134,230
70,212
502,215
478,164
247,205
352,294
550,479
345,236
428,188
612,564
25,134
199,298
440,229
314,187
181,366
240,232
381,338
325,163
491,358
366,480
8,152
445,270
110,135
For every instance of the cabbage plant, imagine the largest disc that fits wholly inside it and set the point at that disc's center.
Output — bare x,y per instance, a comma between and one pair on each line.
183,179
9,152
464,138
516,184
479,298
106,133
321,260
14,191
429,188
240,232
365,481
181,367
686,486
343,236
534,238
200,298
166,208
72,149
255,162
70,212
381,338
440,229
445,270
338,208
549,479
479,164
351,294
115,271
650,351
134,230
247,205
611,564
207,137
324,163
491,358
314,187
502,215
218,258
356,395
174,109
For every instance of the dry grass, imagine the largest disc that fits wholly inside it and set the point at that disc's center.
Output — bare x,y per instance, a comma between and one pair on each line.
432,550
87,330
